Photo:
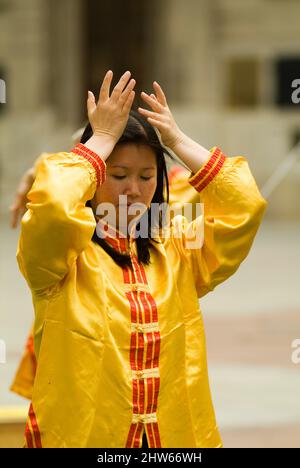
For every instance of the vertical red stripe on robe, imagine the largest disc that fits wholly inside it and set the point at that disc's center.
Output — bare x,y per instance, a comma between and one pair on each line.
35,428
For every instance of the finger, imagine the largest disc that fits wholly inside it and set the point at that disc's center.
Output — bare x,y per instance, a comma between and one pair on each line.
105,87
120,86
14,218
21,191
91,103
160,94
128,103
127,91
151,102
13,206
16,203
17,212
153,96
149,113
156,123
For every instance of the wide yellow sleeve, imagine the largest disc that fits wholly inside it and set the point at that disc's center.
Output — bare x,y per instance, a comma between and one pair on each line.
180,191
219,239
37,162
57,225
25,375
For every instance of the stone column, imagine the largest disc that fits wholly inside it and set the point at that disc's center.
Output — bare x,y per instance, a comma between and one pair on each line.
186,59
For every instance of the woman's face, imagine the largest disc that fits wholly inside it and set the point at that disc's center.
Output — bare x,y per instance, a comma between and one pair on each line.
131,170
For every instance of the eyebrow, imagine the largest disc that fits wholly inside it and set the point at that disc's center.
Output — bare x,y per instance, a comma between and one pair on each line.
126,167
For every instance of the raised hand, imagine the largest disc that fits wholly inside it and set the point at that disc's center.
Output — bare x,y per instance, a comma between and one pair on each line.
161,117
109,116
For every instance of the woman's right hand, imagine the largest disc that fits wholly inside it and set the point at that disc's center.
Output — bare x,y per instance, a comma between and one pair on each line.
108,118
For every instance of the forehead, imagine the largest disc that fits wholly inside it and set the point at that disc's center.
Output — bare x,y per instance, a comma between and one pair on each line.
132,156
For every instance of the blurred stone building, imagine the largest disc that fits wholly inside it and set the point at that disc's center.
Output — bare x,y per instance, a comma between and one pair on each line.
225,65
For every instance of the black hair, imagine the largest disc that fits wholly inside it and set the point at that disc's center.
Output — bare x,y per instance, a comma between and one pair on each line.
139,131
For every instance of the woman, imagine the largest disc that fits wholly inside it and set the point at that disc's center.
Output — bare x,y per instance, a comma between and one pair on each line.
118,332
180,193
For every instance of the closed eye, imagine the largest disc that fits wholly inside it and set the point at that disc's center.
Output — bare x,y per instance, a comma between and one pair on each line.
123,177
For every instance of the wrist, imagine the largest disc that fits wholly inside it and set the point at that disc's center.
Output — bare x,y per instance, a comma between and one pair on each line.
102,145
190,152
179,138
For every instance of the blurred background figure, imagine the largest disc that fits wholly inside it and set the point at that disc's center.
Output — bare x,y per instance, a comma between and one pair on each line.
239,61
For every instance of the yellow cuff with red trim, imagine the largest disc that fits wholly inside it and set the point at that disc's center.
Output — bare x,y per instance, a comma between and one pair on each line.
93,158
209,171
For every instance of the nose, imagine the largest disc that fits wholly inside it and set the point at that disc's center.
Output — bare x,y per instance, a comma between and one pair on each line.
133,189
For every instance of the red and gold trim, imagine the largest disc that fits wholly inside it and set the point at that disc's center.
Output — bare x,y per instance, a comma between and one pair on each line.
144,341
209,171
28,436
96,161
32,432
143,356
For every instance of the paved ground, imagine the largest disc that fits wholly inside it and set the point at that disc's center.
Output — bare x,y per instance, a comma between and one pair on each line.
251,321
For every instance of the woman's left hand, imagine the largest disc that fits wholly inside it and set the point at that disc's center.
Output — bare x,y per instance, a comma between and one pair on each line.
18,207
161,117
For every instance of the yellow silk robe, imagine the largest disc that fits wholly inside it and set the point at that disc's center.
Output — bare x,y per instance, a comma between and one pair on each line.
121,351
180,192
